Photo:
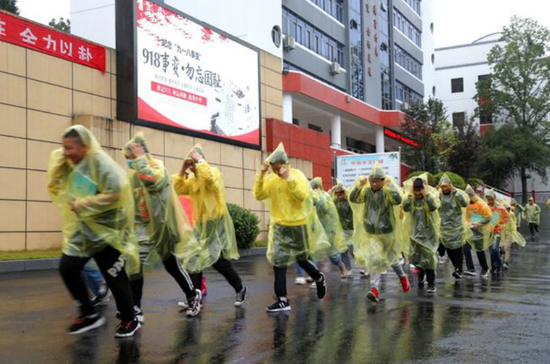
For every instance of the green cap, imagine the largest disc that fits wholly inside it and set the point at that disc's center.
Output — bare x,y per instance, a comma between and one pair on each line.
197,149
139,138
445,180
278,156
377,172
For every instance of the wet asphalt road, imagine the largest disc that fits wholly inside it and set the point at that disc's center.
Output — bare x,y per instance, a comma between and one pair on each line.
500,320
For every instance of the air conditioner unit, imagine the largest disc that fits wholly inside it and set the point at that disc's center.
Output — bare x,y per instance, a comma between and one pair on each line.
289,43
335,68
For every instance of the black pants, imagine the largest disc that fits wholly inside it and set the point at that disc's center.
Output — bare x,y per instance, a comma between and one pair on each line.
441,250
430,275
533,227
174,268
456,257
225,268
470,262
280,275
111,264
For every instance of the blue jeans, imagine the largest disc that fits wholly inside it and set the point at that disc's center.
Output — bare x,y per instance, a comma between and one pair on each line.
496,260
93,276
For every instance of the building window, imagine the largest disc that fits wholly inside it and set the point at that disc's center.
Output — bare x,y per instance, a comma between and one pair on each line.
484,116
331,7
407,61
457,85
406,94
312,38
407,28
357,74
414,4
359,146
459,118
315,127
276,36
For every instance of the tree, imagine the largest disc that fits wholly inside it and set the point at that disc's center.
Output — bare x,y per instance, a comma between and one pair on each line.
64,26
517,95
9,5
426,123
465,153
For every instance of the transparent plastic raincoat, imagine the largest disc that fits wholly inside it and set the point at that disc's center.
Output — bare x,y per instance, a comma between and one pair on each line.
377,234
345,212
421,225
161,226
328,216
294,228
532,214
518,212
213,228
510,234
452,213
103,196
478,213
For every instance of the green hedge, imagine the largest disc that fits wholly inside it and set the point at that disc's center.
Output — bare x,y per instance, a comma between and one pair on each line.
458,181
247,225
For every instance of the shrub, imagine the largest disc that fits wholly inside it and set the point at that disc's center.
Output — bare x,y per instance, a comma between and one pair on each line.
247,225
457,181
431,180
475,182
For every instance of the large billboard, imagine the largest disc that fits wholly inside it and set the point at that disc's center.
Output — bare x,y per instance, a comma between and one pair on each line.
351,167
189,77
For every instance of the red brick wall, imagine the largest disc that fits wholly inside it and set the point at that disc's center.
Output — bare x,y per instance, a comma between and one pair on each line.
303,143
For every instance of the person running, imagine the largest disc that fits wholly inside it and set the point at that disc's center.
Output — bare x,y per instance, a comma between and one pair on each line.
295,232
452,214
213,228
499,219
162,228
532,215
375,202
510,235
345,214
518,212
421,229
97,209
328,216
478,218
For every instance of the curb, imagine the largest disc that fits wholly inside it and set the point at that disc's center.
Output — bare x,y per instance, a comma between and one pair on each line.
12,266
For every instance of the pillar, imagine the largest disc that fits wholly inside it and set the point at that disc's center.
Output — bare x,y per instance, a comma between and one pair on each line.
336,130
287,107
380,146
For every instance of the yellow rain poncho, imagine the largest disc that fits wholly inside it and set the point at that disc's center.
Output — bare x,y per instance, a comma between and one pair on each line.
510,234
377,234
480,214
345,212
452,213
328,216
421,225
213,228
294,229
532,213
518,211
103,196
162,228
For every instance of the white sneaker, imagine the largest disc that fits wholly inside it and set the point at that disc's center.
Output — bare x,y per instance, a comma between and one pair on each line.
313,285
183,304
350,273
300,281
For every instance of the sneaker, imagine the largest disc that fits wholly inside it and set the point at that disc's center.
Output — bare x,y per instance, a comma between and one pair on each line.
350,273
313,285
470,272
506,266
499,271
300,281
309,279
457,274
405,284
102,298
241,297
442,260
321,287
127,329
362,273
484,273
183,304
139,314
194,304
280,305
373,295
493,270
421,278
431,288
83,324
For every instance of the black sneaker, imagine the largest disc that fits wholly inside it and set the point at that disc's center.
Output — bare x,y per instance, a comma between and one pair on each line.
321,287
127,329
280,305
499,271
83,324
506,266
241,297
493,270
431,288
139,314
194,304
484,273
102,298
457,274
470,272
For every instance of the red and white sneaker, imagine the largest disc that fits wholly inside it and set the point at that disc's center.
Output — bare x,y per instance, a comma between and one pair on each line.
405,284
373,295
